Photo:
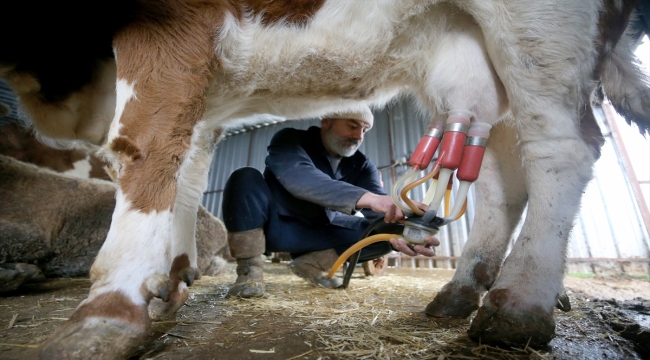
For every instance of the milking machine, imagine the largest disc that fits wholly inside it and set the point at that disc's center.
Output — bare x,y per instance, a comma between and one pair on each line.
461,148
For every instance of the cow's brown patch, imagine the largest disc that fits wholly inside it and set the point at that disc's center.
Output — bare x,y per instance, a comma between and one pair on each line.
180,271
180,262
454,302
297,12
113,305
499,297
482,274
170,50
122,146
21,144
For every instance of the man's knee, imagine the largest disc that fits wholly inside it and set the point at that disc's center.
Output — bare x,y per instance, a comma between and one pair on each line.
243,176
241,182
245,202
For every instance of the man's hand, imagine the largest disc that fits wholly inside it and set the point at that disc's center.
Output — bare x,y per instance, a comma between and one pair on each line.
425,249
384,204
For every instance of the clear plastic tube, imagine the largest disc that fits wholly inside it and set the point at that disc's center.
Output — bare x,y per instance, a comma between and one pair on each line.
428,197
461,197
441,188
408,175
410,186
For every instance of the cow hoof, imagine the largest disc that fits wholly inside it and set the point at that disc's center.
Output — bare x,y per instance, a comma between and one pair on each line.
454,302
500,325
12,276
563,302
188,275
160,309
160,286
109,327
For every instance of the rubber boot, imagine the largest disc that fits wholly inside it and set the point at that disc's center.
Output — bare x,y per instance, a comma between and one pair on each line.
246,247
314,267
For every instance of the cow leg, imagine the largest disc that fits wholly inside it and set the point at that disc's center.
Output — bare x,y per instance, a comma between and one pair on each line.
519,305
470,83
193,178
163,71
500,200
546,77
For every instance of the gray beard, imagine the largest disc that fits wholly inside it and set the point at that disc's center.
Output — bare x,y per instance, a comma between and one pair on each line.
338,144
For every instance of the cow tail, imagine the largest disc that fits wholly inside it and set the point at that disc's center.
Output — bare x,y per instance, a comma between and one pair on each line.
626,84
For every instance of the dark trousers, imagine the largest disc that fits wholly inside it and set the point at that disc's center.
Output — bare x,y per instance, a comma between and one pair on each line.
248,204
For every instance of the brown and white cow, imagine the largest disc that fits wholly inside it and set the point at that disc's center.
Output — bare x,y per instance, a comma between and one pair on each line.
21,144
150,81
59,221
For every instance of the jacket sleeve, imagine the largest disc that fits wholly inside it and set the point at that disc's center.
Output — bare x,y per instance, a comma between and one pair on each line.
296,172
369,180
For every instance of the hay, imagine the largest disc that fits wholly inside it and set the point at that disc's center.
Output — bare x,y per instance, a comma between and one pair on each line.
375,318
12,321
20,345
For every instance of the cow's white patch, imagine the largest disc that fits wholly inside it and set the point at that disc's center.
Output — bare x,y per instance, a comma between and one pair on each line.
136,247
81,168
125,93
192,182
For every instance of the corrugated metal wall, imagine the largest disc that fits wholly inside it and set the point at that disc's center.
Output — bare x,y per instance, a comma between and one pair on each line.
8,97
608,226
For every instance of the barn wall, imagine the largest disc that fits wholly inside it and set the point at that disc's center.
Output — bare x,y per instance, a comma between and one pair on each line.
8,97
610,224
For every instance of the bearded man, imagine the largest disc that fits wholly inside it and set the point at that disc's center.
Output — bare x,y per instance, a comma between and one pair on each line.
314,183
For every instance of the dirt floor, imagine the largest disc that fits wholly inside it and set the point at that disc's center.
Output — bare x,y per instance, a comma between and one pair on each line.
377,317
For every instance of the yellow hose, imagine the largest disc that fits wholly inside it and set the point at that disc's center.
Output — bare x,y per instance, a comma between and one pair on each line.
356,247
381,237
412,185
462,210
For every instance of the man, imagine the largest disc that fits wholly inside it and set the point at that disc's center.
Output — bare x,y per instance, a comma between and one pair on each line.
313,184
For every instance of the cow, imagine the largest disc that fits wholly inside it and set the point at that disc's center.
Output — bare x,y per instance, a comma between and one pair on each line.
149,82
58,221
19,143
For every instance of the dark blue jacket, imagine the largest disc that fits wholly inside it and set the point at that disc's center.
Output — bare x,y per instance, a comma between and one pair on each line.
304,186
